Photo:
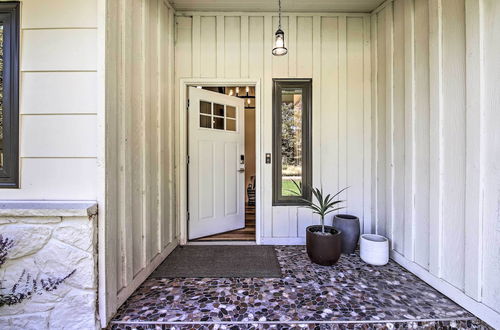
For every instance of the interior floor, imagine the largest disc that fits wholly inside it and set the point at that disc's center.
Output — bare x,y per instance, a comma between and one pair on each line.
243,234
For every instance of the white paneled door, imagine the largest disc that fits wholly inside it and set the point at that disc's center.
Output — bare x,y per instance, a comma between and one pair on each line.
216,163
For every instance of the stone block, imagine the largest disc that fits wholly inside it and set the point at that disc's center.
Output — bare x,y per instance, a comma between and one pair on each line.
37,321
50,242
58,259
41,220
76,311
76,233
27,239
7,220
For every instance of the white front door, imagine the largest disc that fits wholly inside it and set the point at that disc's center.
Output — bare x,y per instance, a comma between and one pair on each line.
216,163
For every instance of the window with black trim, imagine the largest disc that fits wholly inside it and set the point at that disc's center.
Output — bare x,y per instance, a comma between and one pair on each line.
292,142
9,94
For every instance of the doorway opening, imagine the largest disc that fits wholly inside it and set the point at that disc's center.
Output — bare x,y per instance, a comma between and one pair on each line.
221,131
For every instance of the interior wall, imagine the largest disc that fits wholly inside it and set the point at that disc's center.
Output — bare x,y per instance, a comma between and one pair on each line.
139,210
333,50
58,102
436,141
249,146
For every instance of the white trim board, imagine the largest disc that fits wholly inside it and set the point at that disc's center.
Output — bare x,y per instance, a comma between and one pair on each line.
221,243
269,13
125,293
480,310
181,159
283,240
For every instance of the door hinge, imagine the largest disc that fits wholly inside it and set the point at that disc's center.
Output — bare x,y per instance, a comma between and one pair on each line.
188,216
188,103
189,159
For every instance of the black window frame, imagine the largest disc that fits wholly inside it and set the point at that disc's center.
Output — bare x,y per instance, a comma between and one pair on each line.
306,85
9,17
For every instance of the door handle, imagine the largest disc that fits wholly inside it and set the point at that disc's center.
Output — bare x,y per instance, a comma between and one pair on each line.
241,170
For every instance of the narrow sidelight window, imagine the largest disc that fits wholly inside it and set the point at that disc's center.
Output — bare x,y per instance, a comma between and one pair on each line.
292,143
9,94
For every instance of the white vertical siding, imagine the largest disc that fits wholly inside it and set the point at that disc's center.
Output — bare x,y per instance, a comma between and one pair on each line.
453,141
488,238
333,50
438,105
140,193
419,239
58,101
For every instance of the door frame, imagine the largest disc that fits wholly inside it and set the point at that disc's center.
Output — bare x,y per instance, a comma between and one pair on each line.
181,159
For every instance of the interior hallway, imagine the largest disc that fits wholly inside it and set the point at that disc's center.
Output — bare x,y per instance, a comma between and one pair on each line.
244,234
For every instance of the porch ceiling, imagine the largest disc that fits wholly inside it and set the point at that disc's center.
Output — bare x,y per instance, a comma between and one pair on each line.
271,5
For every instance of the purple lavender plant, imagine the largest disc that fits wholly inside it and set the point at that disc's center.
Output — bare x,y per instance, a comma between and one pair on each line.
26,286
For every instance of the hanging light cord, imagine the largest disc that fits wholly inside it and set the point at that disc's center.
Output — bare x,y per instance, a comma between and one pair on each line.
279,14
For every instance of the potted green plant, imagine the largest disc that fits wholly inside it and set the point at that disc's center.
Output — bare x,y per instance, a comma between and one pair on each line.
323,242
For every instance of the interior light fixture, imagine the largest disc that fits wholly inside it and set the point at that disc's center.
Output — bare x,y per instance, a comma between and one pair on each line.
279,41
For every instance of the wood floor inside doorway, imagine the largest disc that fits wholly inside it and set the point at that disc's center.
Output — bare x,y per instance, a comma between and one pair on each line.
244,234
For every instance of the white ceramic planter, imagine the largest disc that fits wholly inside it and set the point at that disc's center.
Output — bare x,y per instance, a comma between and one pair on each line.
374,249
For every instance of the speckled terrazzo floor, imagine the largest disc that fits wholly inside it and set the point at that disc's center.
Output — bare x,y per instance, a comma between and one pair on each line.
350,294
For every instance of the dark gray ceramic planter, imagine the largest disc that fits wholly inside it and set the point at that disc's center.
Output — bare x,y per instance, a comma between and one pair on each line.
323,249
349,226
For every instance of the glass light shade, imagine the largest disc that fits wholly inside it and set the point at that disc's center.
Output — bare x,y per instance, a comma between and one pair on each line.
279,44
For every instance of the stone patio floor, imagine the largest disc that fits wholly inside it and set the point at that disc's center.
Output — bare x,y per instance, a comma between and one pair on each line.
350,294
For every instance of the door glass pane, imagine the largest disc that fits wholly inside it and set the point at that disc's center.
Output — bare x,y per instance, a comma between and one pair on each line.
291,140
231,125
218,123
218,109
205,107
230,111
205,121
1,97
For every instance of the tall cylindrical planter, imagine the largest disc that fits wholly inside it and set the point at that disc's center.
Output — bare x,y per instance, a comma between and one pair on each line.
349,226
374,249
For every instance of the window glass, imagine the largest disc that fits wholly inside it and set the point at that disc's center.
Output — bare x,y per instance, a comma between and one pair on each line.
218,123
218,110
206,107
231,125
230,111
205,121
292,141
9,94
222,118
1,96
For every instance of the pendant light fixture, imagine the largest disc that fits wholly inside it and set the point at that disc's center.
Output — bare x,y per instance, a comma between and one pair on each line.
279,41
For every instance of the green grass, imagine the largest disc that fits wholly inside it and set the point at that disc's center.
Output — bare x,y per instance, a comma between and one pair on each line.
288,188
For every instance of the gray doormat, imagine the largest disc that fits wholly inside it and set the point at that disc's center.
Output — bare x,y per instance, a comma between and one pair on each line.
220,261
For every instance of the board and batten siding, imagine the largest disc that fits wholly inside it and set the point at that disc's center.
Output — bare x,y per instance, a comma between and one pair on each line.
436,144
58,101
333,50
139,223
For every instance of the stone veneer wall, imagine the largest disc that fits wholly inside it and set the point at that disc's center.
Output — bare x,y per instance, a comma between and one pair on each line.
50,240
